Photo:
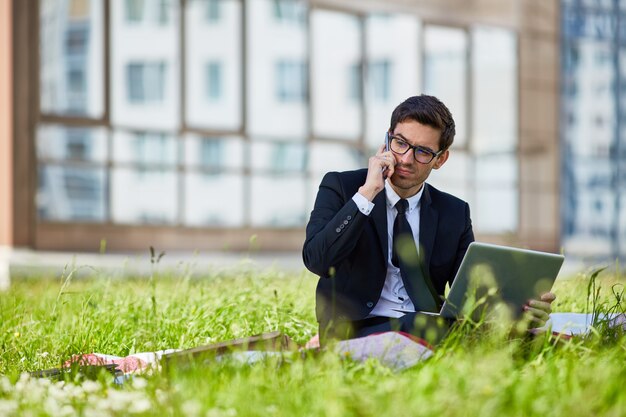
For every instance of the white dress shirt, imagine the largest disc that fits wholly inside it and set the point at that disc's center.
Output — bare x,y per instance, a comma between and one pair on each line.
394,296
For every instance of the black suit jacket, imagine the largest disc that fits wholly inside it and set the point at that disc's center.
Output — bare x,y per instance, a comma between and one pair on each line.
348,250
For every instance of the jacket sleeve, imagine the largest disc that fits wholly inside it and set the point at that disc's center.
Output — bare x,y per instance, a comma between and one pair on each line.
334,227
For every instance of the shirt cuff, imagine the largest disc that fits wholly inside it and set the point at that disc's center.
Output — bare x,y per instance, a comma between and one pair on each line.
363,204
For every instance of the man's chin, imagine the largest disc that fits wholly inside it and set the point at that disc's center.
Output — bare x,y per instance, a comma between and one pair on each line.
402,180
404,183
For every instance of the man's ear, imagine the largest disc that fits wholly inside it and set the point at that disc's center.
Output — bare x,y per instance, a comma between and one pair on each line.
441,159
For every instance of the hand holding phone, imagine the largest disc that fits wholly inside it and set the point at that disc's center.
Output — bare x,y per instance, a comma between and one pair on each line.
379,168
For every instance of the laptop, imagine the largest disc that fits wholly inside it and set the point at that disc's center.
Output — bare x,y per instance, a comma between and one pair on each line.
494,275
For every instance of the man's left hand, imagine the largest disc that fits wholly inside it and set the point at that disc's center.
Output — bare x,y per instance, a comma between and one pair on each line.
539,310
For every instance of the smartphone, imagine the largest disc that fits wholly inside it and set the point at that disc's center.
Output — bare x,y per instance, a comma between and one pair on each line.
387,139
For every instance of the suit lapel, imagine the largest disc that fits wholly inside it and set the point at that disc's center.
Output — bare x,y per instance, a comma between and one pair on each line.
428,228
379,217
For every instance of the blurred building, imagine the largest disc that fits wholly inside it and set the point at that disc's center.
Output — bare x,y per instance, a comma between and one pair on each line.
208,124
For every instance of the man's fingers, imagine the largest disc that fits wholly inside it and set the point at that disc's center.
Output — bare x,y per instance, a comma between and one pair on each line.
538,314
548,297
541,305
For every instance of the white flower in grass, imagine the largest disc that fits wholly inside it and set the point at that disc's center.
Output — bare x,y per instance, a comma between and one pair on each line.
52,406
191,408
118,400
67,411
30,390
74,392
5,384
57,392
161,397
221,412
22,383
91,387
96,412
102,404
140,406
8,407
139,383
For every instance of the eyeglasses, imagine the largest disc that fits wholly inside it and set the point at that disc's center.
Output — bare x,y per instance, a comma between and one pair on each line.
400,146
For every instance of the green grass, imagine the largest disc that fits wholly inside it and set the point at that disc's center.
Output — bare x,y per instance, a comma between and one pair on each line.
44,321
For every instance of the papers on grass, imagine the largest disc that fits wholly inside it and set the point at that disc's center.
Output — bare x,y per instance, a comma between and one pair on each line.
392,349
581,323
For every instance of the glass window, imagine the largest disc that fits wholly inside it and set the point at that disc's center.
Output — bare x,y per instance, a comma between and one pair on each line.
279,157
145,67
494,139
494,83
150,12
134,10
445,73
213,73
71,54
58,142
214,199
214,81
290,11
212,10
392,56
336,75
355,82
163,12
144,196
496,206
273,108
145,82
379,73
144,148
291,81
607,4
68,193
590,113
214,153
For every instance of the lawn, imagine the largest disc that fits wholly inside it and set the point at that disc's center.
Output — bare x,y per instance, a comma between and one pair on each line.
44,320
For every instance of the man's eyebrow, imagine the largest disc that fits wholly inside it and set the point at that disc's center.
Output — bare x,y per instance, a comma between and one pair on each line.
407,141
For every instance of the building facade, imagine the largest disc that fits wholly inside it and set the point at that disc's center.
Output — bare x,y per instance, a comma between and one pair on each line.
593,128
208,124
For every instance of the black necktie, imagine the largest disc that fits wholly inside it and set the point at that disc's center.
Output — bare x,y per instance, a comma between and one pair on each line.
404,256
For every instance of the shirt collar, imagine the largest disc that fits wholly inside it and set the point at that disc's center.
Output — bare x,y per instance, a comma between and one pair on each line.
393,198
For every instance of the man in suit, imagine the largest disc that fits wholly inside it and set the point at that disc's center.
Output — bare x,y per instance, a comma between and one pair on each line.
371,280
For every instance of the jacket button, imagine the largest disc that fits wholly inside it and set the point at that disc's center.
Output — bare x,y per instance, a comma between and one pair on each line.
349,217
345,222
338,230
370,304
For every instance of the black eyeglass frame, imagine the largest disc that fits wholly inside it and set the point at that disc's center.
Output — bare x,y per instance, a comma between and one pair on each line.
389,137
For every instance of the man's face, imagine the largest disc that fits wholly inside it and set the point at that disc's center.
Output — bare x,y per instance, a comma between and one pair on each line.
409,175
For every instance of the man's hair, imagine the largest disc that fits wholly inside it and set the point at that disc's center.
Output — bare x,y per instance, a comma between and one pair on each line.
427,110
